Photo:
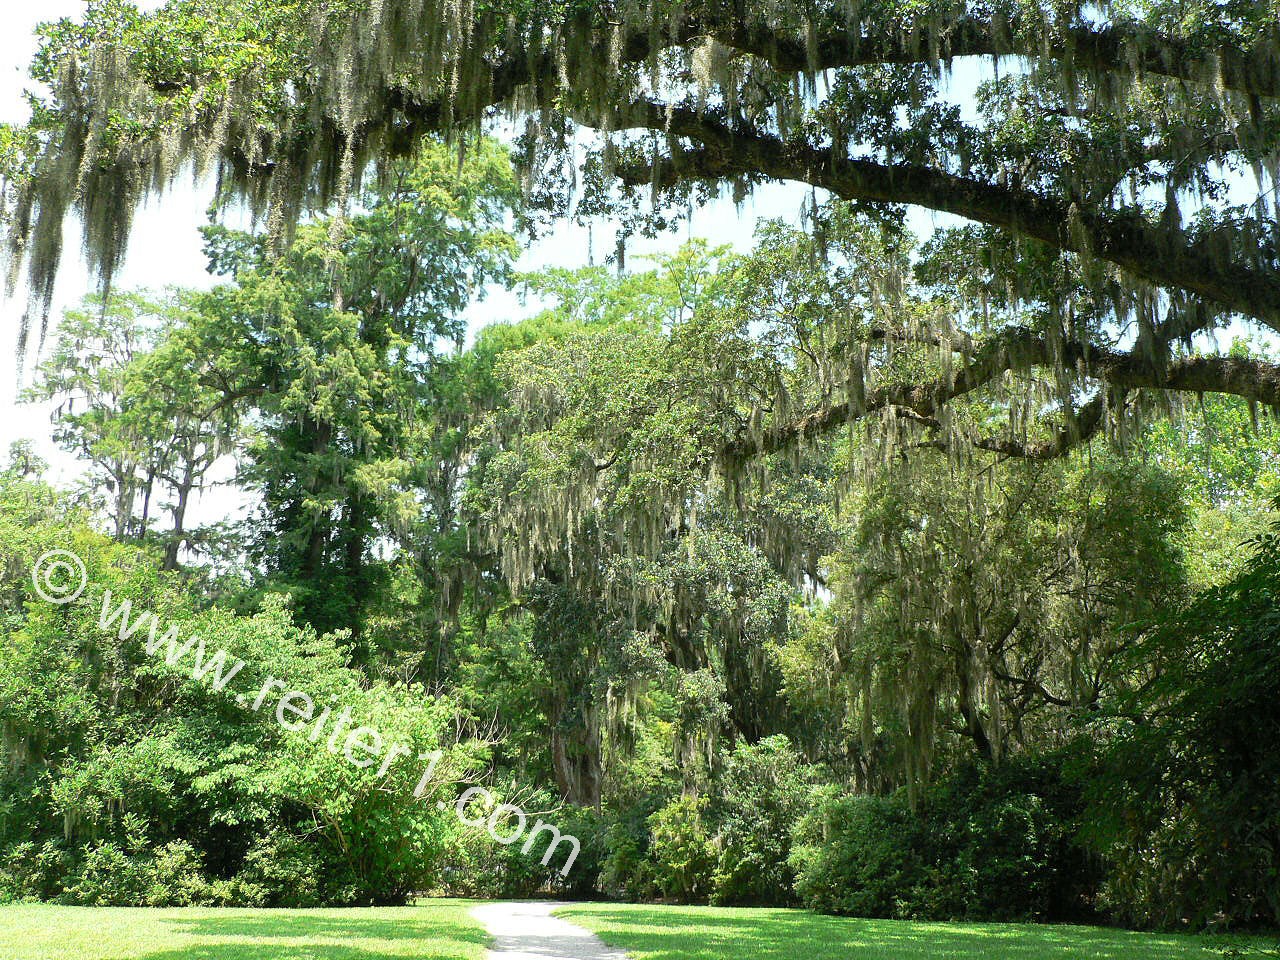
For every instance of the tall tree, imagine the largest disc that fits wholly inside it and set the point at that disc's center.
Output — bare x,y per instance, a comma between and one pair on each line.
601,505
144,405
88,374
341,345
991,605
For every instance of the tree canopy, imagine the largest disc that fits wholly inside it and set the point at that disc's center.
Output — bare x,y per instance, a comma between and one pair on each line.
1119,166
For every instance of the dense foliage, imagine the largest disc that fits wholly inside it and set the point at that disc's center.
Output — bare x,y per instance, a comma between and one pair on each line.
872,675
1193,787
128,783
998,843
895,579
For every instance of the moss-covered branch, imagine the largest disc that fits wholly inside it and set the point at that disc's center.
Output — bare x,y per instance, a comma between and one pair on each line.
1145,250
1020,349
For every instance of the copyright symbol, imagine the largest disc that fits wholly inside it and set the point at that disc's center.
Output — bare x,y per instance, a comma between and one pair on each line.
59,577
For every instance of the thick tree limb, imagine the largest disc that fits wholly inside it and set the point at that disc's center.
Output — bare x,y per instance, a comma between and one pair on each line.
1119,48
1080,427
1142,249
1122,49
1033,685
1019,349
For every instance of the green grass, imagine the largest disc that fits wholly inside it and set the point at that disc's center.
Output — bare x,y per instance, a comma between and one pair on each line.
443,930
715,933
438,930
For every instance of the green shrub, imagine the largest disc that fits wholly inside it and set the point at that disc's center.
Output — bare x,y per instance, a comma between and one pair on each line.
133,873
476,865
626,872
34,872
984,844
129,783
681,852
583,882
1014,835
764,791
176,877
108,876
858,856
278,871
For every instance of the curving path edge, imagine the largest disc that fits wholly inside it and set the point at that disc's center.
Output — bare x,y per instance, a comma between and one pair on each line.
528,931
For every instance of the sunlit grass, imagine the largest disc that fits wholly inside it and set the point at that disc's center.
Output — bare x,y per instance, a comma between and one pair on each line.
439,930
715,933
444,930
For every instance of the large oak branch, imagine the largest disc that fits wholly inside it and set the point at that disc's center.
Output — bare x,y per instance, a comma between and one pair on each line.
1124,48
1144,250
1112,48
1019,348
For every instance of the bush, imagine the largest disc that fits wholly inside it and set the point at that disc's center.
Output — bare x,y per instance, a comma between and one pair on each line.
475,865
1014,833
626,872
583,881
276,872
224,806
131,873
681,853
31,872
764,791
984,844
176,877
858,856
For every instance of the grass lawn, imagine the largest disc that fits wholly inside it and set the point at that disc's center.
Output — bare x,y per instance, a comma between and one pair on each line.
439,930
717,933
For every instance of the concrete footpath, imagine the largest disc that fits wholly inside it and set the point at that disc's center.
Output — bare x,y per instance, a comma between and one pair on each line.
528,931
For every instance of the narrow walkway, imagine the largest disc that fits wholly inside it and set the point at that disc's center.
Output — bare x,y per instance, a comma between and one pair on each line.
527,931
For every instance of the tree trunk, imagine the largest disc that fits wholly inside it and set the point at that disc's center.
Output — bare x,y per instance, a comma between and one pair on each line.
124,503
179,520
575,757
321,432
969,712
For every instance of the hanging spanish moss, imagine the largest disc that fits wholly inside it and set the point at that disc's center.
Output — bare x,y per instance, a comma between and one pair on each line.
303,101
1094,167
